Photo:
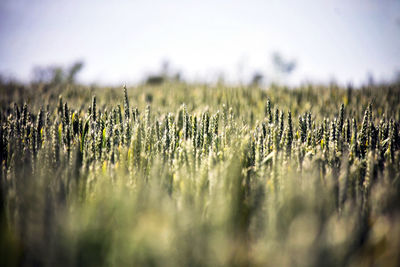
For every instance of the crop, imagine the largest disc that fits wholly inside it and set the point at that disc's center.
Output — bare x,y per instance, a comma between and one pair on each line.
195,175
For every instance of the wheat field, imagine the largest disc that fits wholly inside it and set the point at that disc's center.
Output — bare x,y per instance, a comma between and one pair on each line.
199,175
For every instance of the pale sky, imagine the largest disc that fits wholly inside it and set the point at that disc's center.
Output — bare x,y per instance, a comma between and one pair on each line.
122,41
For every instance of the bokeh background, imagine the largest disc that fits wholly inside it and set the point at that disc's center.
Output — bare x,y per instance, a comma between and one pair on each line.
124,41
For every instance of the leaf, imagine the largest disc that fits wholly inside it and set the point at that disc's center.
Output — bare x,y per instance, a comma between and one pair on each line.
384,142
59,133
268,158
85,130
104,136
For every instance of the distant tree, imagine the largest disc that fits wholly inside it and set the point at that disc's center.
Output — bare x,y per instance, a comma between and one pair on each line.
282,65
397,77
257,79
177,77
370,79
43,74
165,74
154,79
56,74
73,71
